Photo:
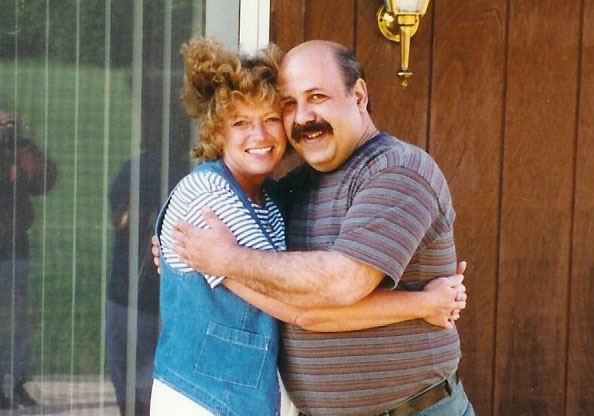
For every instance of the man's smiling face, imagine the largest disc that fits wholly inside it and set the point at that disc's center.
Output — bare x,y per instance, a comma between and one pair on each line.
322,118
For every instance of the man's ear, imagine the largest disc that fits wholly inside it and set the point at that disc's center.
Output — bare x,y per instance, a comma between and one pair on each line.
360,92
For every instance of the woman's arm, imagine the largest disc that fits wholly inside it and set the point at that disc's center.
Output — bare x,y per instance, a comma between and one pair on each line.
439,304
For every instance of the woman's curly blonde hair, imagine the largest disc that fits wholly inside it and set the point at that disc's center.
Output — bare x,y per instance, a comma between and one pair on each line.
216,79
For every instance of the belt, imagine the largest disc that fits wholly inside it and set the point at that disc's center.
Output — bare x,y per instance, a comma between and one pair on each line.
426,399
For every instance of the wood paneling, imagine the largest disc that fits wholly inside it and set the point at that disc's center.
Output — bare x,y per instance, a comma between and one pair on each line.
466,140
287,23
580,380
503,97
296,21
330,20
536,208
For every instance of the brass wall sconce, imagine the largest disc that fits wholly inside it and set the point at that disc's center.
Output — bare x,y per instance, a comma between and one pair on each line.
398,20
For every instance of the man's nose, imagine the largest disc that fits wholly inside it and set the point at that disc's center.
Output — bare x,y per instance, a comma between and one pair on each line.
304,114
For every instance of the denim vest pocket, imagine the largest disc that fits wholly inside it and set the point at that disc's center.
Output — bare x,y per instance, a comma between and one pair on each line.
241,355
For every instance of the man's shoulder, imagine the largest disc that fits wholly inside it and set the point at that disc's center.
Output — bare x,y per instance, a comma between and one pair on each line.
386,154
391,156
397,152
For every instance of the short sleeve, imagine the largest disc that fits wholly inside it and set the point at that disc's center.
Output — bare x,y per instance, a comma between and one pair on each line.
389,220
194,192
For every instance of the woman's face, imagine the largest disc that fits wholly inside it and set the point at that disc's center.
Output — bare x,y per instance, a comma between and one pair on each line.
254,140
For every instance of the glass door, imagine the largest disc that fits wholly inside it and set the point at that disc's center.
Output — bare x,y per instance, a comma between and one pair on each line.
92,140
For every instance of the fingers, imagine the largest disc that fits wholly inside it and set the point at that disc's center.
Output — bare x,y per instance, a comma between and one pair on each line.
442,321
183,233
459,288
181,227
210,218
455,280
461,267
178,235
460,300
155,250
156,253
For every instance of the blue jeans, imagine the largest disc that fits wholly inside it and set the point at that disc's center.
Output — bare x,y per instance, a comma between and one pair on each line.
457,404
116,342
15,348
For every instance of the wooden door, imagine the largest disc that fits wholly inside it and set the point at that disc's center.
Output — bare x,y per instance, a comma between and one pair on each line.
502,97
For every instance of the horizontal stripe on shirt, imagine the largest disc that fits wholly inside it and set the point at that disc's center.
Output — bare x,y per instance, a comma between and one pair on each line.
199,189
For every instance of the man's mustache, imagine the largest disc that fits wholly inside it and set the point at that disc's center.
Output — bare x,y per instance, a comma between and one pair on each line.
315,126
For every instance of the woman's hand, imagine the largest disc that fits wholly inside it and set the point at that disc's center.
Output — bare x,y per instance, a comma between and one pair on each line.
445,298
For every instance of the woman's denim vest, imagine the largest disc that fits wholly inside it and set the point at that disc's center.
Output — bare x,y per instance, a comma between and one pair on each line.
214,347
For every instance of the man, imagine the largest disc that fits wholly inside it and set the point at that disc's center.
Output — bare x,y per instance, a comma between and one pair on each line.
369,211
25,171
147,306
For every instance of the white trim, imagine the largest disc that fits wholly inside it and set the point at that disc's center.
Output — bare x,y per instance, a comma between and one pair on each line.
221,21
243,23
254,24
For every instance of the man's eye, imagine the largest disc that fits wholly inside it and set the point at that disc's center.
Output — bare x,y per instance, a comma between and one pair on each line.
273,119
317,97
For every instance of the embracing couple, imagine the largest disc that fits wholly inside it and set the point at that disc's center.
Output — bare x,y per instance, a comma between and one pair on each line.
349,250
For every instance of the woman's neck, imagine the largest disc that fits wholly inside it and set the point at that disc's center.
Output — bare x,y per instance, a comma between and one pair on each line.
254,194
251,185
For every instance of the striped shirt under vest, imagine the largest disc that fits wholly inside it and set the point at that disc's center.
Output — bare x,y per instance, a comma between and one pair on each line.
197,190
388,206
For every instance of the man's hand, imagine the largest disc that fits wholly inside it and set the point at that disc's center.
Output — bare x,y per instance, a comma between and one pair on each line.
446,297
204,250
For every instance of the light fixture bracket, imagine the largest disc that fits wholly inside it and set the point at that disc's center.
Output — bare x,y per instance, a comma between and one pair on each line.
400,26
389,24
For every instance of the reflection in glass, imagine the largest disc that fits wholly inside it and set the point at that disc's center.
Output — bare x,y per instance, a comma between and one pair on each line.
25,172
119,141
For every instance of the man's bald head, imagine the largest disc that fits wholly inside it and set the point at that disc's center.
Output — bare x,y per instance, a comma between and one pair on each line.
325,53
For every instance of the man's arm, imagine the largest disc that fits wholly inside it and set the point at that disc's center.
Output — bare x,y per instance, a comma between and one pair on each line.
387,222
309,279
439,304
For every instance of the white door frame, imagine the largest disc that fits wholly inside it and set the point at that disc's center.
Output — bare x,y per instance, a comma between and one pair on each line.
238,22
254,24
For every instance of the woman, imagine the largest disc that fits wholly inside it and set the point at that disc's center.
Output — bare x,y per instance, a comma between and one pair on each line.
214,349
216,352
